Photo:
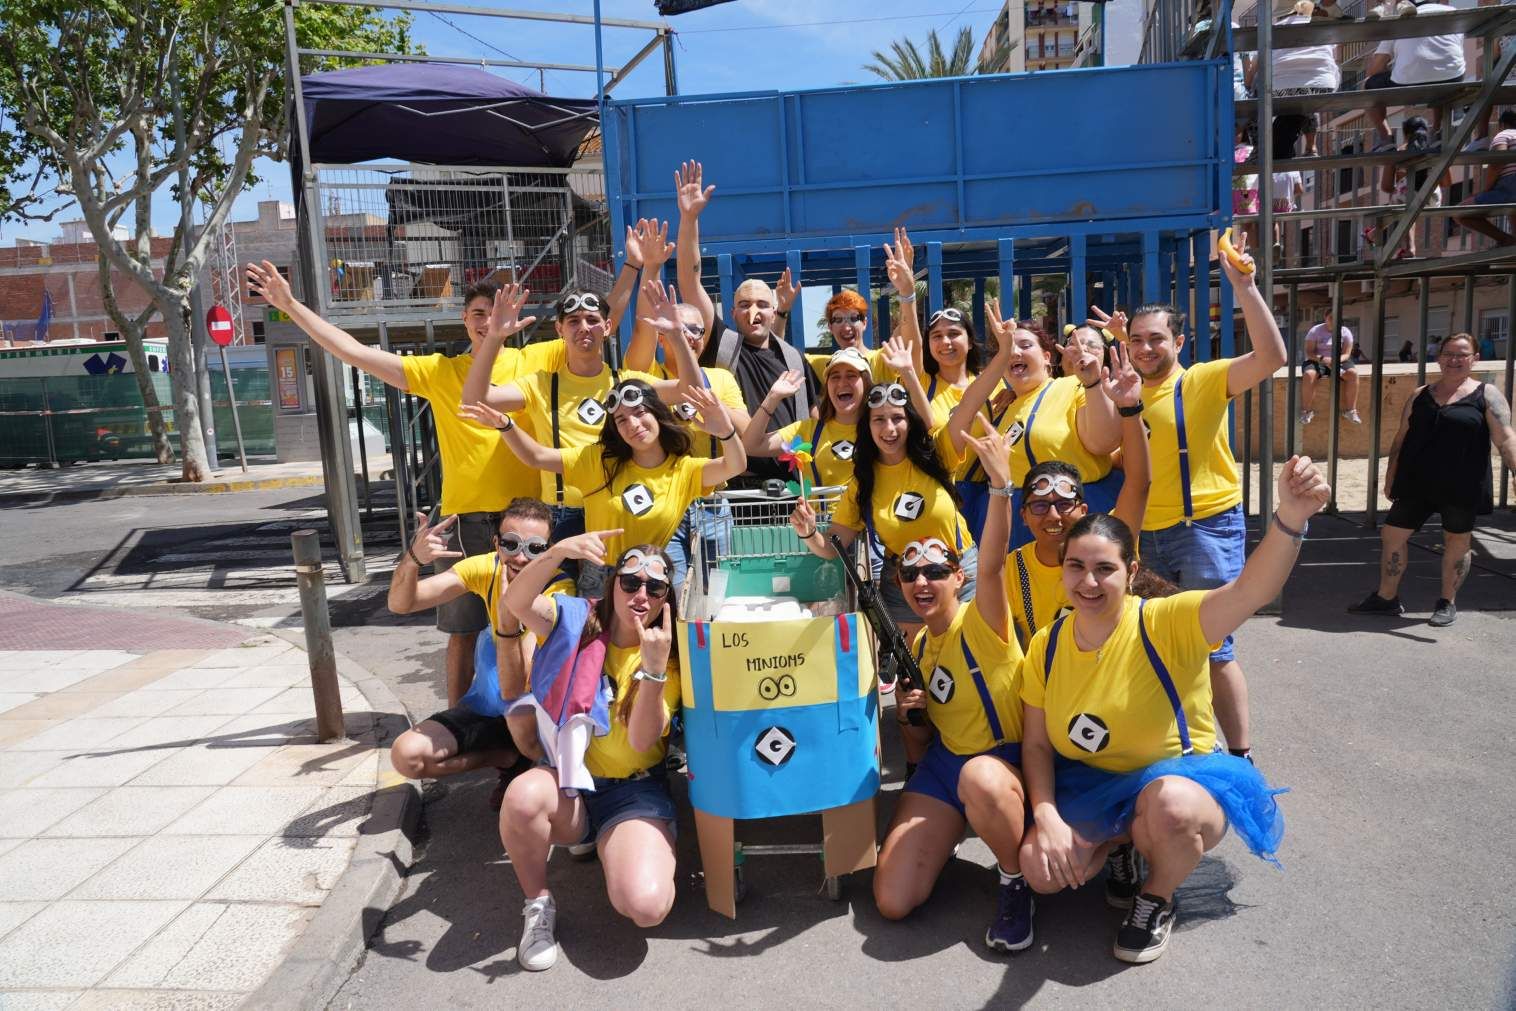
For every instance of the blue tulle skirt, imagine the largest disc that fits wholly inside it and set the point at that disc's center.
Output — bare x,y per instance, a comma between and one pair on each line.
1099,805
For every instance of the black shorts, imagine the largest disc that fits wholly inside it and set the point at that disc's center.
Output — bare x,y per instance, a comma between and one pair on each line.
1325,369
1382,80
473,534
1412,513
474,732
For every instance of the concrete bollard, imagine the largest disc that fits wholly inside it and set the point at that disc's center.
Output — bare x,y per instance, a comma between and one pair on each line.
318,634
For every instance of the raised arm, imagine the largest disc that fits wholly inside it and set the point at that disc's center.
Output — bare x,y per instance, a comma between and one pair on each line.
1303,492
757,440
994,451
527,449
409,592
646,716
961,421
663,306
897,355
1124,388
1096,421
805,522
693,196
649,245
505,320
525,600
714,419
1268,354
263,279
900,267
785,290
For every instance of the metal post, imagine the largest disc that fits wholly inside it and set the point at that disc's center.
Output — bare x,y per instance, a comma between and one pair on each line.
882,316
1423,313
1292,390
398,460
863,260
1335,396
1376,405
726,279
934,294
1150,279
231,399
1263,254
1078,300
1510,374
798,323
1024,299
979,307
1201,327
1468,307
1005,252
670,73
318,634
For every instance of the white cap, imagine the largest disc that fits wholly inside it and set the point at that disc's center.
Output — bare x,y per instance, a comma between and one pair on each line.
852,358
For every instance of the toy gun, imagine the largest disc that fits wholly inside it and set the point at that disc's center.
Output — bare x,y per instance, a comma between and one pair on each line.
896,654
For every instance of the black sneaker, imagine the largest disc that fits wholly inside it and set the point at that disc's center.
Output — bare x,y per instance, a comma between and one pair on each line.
1144,934
1443,614
1375,604
1123,877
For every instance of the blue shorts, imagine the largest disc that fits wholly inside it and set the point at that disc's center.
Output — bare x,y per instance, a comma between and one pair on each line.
568,521
617,800
707,524
1503,192
893,597
1201,556
937,773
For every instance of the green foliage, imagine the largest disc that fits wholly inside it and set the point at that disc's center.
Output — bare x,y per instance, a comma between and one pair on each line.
905,62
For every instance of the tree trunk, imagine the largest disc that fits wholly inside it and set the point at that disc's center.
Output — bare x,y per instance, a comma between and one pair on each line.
155,426
181,355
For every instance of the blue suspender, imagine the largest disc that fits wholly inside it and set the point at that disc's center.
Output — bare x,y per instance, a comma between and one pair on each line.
931,390
1166,681
984,690
815,450
1026,436
1184,452
976,472
1153,658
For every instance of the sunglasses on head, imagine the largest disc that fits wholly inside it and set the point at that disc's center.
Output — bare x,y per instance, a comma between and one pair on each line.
1061,485
891,393
631,584
950,314
934,572
625,396
843,320
927,550
518,544
1044,506
588,302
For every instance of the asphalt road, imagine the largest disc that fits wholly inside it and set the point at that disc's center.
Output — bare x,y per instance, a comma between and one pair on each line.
1394,738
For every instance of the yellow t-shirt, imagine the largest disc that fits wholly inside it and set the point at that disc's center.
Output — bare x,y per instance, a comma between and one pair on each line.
1107,708
481,575
724,385
945,399
479,471
646,503
612,755
879,372
1055,435
1042,597
831,449
581,415
953,698
1214,486
908,505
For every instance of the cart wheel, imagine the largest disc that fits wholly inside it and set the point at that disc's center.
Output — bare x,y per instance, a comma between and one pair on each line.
834,888
739,880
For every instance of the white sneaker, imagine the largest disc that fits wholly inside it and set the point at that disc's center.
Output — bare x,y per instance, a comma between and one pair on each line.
582,851
1353,416
538,949
1306,417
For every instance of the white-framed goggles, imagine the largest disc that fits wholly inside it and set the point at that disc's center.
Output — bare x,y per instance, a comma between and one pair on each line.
640,563
928,551
1056,484
888,393
625,395
949,313
586,301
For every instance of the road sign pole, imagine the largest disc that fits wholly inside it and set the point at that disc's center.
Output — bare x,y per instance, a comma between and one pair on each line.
231,396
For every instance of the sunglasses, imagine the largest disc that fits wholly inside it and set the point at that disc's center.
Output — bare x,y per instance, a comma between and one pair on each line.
934,572
589,302
517,544
694,329
892,393
950,314
631,584
1044,506
843,320
625,396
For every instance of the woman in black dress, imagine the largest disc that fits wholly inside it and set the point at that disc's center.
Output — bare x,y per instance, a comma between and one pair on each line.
1440,463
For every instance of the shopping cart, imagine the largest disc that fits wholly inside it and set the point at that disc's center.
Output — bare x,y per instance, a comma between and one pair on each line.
780,707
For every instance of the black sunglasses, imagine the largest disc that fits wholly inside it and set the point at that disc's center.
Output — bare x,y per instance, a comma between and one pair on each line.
933,571
1044,506
514,544
631,584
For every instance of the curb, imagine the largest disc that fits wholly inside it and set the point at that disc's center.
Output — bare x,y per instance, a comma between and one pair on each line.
336,938
160,488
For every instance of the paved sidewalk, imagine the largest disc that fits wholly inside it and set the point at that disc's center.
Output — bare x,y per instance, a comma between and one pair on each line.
88,481
168,824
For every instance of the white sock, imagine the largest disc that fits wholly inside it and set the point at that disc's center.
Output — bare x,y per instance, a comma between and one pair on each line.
1006,877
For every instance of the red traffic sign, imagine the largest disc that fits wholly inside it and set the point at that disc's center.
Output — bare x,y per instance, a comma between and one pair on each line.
218,323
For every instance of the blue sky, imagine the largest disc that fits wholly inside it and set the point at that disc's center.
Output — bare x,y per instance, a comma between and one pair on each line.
741,46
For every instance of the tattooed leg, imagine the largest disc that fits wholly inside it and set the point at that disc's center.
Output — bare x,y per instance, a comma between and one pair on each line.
1457,559
1394,554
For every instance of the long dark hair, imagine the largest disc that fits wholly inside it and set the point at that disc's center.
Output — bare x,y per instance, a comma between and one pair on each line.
615,452
973,362
920,449
602,612
1107,526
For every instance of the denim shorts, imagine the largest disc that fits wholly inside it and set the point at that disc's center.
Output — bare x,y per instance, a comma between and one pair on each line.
894,599
937,774
613,801
1201,556
706,523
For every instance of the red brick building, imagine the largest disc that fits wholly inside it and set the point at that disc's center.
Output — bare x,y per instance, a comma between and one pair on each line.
70,273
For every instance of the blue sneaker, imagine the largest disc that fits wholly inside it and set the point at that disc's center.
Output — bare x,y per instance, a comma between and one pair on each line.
1012,929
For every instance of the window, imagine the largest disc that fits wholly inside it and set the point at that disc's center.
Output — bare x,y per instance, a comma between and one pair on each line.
111,335
1306,252
258,336
1347,246
1345,175
1493,330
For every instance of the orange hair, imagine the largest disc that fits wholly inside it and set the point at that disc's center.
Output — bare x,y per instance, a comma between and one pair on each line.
848,299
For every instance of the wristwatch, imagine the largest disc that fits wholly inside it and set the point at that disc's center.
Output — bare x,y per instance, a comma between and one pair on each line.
1130,412
1004,492
647,675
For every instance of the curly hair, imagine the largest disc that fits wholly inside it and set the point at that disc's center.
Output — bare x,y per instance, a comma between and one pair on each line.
920,450
615,452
